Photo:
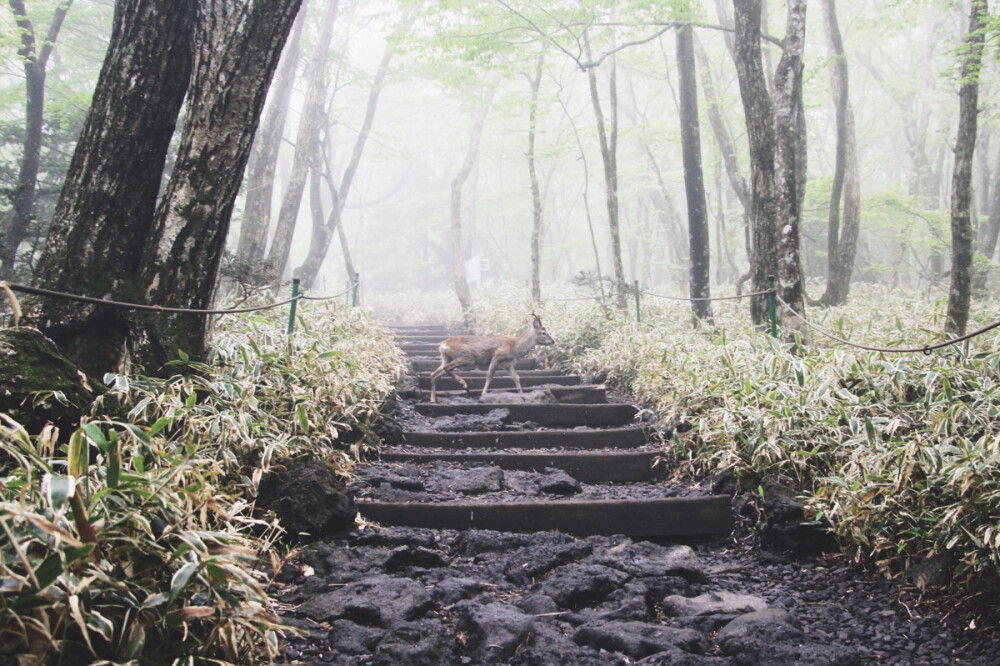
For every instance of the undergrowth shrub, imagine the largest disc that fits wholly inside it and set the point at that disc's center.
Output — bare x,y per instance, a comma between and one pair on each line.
137,537
900,451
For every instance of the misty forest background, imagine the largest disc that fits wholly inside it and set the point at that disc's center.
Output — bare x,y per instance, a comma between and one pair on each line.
420,86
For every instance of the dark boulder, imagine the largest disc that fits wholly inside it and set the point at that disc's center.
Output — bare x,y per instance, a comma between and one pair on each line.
31,362
309,498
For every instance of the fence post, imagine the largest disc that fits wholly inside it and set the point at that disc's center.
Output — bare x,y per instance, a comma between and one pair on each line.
291,309
636,285
354,291
772,306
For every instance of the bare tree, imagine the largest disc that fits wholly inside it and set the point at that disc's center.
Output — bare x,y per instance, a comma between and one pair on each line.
535,82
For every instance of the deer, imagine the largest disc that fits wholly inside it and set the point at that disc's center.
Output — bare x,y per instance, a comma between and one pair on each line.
487,352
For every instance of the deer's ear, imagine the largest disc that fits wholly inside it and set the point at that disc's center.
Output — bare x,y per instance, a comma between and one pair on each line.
538,321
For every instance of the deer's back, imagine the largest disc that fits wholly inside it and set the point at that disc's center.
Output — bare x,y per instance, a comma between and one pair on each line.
475,349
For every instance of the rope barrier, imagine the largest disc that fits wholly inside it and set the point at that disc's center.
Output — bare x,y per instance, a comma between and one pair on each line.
712,298
926,349
37,291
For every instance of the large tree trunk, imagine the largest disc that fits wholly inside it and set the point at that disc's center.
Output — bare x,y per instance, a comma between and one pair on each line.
264,158
536,196
236,46
694,180
789,160
35,59
959,294
841,246
105,212
609,156
313,111
759,116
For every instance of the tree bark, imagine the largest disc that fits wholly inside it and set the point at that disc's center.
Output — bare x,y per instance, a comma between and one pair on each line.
988,234
35,60
105,211
313,110
759,116
790,168
846,188
959,293
237,46
264,158
694,179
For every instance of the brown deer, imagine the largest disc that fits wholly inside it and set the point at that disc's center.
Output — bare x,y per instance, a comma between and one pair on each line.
487,352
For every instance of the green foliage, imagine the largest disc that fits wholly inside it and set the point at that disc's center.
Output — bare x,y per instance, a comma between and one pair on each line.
899,451
137,538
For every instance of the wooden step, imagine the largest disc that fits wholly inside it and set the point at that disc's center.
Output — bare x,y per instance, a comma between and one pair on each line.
420,349
542,414
431,364
587,395
667,517
586,467
609,438
503,381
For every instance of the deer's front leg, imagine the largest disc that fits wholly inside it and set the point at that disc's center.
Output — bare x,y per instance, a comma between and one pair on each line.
513,374
489,373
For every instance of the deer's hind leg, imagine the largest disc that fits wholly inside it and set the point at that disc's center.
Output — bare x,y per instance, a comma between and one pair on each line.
447,367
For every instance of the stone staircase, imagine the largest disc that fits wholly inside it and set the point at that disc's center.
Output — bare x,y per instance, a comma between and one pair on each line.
605,480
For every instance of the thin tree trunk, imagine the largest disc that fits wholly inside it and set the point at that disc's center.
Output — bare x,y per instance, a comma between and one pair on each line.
789,157
313,110
35,60
457,237
536,197
694,179
959,293
846,188
988,234
759,116
261,169
237,47
105,211
609,157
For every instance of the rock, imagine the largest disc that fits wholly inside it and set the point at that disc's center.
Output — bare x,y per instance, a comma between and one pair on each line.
639,639
558,482
494,629
378,600
774,637
789,529
309,498
526,565
346,637
31,362
466,480
713,603
408,557
576,586
453,589
643,558
495,419
509,398
419,643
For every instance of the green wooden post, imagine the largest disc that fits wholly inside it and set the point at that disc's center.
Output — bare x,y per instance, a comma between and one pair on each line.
291,309
354,291
773,306
636,285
